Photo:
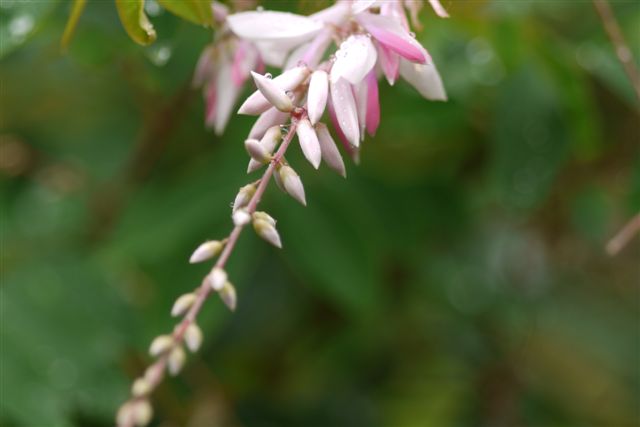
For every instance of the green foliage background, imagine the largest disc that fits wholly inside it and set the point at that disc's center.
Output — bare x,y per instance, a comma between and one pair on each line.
456,278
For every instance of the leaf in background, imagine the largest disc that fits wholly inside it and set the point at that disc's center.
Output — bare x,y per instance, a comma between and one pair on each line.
195,11
135,21
76,11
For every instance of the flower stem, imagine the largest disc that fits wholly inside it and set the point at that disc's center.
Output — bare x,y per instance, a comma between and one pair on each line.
157,370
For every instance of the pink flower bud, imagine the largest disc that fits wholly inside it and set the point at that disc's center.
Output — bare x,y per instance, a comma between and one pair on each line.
309,142
257,103
392,34
330,153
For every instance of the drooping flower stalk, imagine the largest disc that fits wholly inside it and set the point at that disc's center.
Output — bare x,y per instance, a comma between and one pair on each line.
372,39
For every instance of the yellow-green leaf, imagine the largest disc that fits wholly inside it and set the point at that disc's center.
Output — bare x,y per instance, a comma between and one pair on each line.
76,10
135,21
197,11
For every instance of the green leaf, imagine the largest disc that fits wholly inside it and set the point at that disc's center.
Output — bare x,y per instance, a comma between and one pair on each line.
135,21
72,23
195,11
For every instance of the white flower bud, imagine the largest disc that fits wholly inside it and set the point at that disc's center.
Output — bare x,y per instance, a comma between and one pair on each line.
176,360
160,344
267,231
217,278
142,413
153,373
272,92
309,142
140,387
257,151
193,337
241,217
265,217
182,304
228,296
269,141
317,95
206,251
330,153
292,184
125,413
244,196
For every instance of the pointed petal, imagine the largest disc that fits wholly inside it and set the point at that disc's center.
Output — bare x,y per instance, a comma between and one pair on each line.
391,33
345,110
311,53
330,153
389,62
309,142
438,9
336,127
211,101
286,28
373,104
269,118
425,79
204,67
355,58
292,184
317,95
360,95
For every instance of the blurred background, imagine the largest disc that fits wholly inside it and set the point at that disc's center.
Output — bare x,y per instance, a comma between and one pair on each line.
458,277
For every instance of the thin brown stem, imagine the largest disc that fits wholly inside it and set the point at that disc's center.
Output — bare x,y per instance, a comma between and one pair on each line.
623,52
622,238
157,369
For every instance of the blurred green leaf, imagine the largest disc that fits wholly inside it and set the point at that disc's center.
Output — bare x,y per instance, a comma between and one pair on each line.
195,11
135,21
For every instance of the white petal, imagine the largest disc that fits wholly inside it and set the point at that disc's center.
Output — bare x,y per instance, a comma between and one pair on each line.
354,59
362,5
309,142
360,95
287,28
330,153
317,95
346,112
424,78
227,94
272,53
335,15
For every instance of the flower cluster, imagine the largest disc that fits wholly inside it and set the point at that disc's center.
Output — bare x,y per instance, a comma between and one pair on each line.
372,39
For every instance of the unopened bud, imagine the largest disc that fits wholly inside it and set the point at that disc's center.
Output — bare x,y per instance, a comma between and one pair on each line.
264,216
272,92
217,278
182,304
267,231
125,413
241,217
193,337
228,296
257,151
244,196
142,413
309,142
153,373
269,141
160,344
140,387
176,360
206,251
292,184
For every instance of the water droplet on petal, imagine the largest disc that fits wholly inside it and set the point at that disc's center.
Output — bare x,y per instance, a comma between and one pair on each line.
268,75
301,63
260,9
412,34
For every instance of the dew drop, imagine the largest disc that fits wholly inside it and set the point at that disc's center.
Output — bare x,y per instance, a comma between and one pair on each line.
302,63
412,34
268,75
332,58
260,9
